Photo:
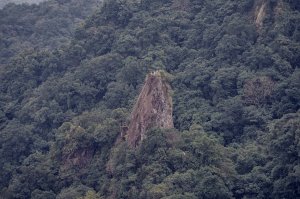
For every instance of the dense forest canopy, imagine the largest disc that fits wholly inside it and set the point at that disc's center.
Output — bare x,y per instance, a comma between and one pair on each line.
31,28
4,2
71,71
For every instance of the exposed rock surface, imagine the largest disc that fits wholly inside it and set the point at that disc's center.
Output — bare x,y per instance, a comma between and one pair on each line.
260,12
152,109
77,150
262,8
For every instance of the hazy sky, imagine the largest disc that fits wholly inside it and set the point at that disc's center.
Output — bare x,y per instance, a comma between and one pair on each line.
3,2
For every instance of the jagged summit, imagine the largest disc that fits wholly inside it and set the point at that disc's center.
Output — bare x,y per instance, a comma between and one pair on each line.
153,108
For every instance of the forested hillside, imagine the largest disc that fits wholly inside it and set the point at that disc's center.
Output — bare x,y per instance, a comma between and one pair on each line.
31,28
4,2
71,72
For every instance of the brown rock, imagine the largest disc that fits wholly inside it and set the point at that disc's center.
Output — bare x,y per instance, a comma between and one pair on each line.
152,109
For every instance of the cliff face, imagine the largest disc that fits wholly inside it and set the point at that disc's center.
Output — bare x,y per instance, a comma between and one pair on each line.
263,7
152,109
260,12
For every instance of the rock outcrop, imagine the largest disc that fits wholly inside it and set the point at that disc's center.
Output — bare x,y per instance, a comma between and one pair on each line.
76,147
260,12
152,109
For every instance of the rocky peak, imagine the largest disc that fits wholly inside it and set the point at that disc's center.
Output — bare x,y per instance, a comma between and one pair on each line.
152,109
260,12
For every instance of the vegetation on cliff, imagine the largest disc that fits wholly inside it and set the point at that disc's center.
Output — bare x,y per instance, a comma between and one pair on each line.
65,93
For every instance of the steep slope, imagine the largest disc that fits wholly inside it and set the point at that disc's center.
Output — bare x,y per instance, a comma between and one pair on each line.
60,112
260,12
152,109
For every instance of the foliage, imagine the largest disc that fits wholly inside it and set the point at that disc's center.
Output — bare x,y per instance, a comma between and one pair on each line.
70,77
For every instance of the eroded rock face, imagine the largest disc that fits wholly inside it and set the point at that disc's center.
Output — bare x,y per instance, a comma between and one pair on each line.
260,12
77,148
80,158
152,109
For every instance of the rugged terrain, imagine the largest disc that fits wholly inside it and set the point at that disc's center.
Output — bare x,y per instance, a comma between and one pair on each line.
83,115
153,108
